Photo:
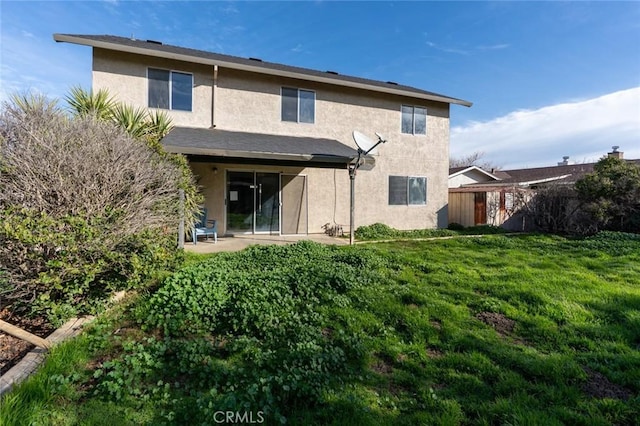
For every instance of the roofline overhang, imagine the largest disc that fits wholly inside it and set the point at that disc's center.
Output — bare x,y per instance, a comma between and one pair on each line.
512,184
257,155
257,69
493,188
491,175
212,152
550,179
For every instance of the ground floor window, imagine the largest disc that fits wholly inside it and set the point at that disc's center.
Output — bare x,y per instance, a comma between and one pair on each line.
407,190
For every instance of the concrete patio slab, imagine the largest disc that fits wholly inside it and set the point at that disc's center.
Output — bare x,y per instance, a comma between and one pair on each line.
239,242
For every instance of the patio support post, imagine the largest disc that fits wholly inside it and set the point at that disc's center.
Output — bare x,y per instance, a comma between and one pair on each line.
352,177
181,224
353,168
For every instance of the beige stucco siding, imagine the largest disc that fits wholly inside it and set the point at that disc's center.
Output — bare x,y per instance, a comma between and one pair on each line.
125,76
323,195
251,102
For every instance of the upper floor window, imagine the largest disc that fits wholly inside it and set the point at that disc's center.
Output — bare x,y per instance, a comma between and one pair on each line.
407,190
414,120
170,89
298,105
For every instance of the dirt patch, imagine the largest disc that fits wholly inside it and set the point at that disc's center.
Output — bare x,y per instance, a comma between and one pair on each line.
380,366
504,326
401,358
12,349
598,386
434,353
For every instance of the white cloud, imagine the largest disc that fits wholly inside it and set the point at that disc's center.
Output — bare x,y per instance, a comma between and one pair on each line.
446,49
230,8
583,130
494,47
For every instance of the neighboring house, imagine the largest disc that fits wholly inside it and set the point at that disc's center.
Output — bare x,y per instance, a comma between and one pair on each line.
479,197
270,144
467,202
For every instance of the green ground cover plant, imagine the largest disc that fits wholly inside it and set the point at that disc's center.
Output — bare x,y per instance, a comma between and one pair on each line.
380,231
494,330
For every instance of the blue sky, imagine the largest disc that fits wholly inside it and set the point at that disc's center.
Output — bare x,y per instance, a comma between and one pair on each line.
547,79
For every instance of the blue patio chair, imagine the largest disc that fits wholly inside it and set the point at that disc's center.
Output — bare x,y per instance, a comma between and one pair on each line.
205,227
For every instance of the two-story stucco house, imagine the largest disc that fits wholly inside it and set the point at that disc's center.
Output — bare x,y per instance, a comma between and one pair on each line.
270,144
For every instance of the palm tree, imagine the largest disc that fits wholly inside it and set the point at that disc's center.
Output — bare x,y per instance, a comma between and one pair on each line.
139,123
83,103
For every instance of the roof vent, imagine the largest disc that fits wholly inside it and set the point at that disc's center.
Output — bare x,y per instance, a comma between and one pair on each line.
331,72
255,59
154,42
565,161
392,82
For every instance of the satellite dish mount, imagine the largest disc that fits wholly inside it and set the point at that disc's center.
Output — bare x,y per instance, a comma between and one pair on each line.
365,146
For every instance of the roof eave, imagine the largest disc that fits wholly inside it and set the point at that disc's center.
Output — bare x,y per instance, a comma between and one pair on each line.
491,175
255,155
544,180
236,153
244,67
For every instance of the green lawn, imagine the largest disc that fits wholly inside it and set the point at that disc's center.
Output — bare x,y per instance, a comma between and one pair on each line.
520,330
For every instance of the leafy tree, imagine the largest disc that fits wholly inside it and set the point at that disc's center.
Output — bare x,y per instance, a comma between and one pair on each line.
611,195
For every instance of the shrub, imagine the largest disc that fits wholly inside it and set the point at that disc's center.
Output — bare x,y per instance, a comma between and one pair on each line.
611,195
144,125
380,231
454,226
607,199
375,232
81,203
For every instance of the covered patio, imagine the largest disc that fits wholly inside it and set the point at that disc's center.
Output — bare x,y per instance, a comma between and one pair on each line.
264,184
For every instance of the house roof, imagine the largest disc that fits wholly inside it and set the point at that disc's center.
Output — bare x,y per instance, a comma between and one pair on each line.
524,177
565,173
455,171
157,49
244,146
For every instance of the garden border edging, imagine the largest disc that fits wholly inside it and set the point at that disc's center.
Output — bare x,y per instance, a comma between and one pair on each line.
33,359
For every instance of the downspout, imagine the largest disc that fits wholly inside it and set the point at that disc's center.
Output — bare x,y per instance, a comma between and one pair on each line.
213,96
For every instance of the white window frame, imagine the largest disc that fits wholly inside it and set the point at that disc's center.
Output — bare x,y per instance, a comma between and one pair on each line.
298,90
413,119
171,72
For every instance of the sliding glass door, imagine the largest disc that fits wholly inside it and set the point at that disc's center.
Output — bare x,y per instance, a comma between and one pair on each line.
253,202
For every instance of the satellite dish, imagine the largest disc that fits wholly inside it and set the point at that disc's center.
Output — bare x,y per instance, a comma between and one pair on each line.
363,142
380,137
